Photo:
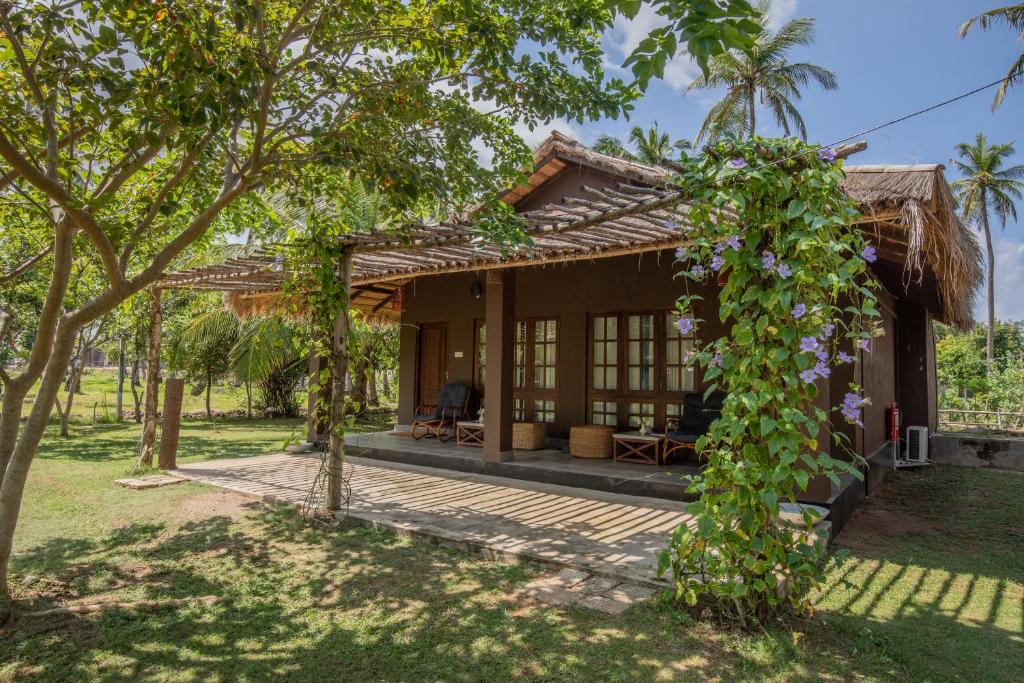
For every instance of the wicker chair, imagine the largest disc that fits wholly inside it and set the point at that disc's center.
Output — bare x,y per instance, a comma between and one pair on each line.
694,423
436,421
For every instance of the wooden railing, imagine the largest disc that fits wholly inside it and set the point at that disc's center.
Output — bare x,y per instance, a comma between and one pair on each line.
956,419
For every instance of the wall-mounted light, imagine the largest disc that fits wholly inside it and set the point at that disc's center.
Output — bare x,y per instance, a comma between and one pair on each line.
477,290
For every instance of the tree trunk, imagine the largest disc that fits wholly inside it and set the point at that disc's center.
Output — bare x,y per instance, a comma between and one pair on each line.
148,439
135,384
339,369
752,107
385,384
359,385
248,399
209,383
990,341
120,380
16,472
372,399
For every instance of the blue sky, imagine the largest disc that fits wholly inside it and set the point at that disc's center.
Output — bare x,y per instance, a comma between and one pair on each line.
891,57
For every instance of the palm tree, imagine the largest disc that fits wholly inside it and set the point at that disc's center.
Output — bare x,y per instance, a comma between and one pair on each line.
1012,16
764,76
652,146
987,187
613,147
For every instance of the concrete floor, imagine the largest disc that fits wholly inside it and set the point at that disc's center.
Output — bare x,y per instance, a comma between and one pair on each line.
605,534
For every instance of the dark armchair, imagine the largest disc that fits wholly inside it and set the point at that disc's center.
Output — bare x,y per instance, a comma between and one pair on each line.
452,405
694,423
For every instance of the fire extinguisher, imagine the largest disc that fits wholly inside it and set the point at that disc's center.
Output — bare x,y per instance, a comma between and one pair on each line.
894,423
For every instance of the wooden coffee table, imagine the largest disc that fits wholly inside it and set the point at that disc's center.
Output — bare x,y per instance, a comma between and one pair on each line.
469,433
637,447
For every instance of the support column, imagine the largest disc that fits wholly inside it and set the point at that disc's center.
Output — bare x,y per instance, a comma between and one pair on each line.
152,382
339,369
500,321
174,391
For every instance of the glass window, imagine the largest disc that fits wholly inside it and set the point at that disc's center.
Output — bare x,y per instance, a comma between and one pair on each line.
640,361
606,352
679,373
543,410
545,353
639,410
604,413
519,368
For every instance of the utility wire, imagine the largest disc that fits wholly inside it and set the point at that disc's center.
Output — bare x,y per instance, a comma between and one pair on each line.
880,126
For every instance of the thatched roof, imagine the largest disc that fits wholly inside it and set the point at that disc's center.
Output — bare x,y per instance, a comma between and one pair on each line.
908,212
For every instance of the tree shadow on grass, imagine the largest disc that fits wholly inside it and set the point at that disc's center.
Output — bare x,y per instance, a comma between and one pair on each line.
936,562
348,603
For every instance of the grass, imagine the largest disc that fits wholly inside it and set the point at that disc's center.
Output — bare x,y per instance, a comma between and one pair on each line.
99,396
932,590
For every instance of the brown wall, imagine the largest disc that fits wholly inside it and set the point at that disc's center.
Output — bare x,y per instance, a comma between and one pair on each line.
568,292
879,379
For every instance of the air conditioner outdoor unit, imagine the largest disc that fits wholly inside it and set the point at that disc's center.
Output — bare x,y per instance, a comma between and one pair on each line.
916,451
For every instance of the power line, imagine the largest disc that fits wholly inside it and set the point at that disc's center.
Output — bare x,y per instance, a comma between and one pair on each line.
892,122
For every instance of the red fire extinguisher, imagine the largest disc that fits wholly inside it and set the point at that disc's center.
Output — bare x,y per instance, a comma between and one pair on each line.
894,423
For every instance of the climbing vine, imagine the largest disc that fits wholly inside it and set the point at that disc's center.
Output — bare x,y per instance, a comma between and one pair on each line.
797,301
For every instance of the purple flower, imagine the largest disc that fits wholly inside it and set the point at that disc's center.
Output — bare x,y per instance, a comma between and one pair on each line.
685,325
844,357
671,224
827,154
851,408
717,262
681,253
739,162
799,311
697,270
821,369
783,271
768,260
809,344
715,360
734,243
827,331
809,375
821,353
720,247
864,345
869,254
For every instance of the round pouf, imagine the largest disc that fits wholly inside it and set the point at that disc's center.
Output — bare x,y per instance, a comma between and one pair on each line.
591,441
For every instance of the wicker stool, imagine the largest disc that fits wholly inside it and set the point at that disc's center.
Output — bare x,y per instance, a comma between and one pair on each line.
591,441
528,436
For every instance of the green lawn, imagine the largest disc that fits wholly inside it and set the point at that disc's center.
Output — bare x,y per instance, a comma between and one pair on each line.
99,396
936,577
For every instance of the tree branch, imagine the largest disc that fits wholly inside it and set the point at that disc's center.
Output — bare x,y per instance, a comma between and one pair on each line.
24,268
58,194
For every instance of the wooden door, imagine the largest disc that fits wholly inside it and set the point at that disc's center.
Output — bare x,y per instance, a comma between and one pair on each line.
432,362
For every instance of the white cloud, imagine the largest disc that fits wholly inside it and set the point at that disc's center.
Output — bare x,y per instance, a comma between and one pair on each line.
626,34
1009,282
780,12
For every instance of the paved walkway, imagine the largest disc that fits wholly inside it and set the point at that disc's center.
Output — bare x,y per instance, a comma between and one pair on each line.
605,534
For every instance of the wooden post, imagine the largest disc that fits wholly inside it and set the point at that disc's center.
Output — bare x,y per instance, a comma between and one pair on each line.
174,390
339,369
500,320
148,439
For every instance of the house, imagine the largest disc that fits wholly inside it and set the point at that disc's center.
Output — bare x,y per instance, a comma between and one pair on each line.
579,330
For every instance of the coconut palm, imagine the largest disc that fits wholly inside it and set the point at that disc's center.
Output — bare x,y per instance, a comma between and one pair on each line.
1012,16
652,146
613,147
988,187
765,77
